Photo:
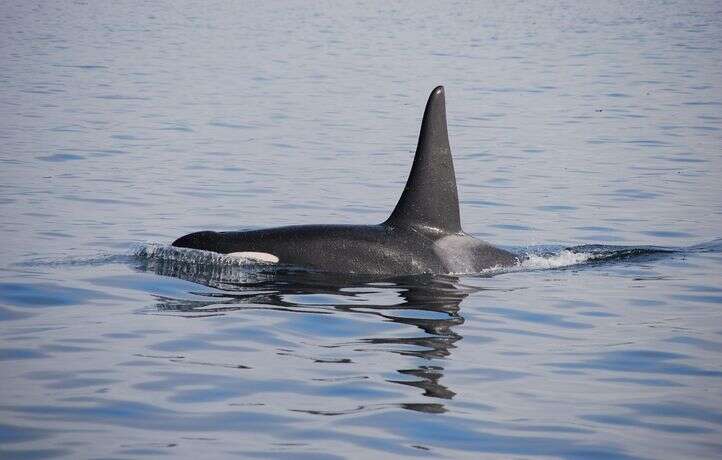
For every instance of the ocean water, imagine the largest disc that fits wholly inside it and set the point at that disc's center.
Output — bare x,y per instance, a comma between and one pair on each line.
594,127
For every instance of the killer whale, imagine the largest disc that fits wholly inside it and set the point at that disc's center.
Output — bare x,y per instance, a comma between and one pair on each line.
422,235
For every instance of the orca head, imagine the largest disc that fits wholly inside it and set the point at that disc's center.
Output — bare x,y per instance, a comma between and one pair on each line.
204,240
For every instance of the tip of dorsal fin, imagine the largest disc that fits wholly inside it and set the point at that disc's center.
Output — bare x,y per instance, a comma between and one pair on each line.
430,200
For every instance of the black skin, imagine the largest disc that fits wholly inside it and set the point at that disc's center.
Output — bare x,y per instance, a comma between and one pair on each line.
365,249
422,235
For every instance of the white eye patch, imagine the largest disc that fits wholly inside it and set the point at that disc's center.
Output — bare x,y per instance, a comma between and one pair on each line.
255,256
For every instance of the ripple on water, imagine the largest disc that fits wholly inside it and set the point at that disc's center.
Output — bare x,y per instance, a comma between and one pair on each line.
593,124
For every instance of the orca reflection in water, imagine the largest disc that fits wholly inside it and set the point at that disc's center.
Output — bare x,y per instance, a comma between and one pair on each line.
423,234
430,303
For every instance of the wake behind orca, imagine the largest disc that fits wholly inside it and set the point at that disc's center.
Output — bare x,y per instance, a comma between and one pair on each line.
422,235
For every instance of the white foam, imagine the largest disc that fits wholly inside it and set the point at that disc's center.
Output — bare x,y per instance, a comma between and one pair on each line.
564,258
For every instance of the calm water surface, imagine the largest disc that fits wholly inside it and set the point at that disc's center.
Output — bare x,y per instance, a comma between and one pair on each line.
124,126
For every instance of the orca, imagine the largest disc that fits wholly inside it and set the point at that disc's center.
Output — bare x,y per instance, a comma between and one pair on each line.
422,235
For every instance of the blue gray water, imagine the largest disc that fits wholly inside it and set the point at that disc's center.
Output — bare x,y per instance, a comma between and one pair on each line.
125,125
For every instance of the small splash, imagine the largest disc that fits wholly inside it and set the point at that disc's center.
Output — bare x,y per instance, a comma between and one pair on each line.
204,267
563,258
540,258
549,258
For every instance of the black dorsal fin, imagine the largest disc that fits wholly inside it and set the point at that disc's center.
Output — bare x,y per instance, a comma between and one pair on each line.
430,200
